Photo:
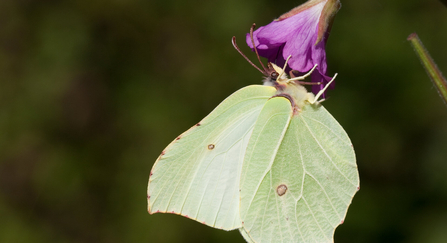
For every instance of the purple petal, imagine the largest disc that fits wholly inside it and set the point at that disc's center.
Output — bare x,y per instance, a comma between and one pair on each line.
295,35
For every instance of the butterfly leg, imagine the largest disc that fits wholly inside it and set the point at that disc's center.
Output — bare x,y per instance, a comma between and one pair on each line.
315,100
304,76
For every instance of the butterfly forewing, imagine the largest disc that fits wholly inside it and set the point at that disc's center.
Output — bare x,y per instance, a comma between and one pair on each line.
198,174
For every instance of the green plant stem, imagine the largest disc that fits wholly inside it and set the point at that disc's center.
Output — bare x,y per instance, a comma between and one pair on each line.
430,66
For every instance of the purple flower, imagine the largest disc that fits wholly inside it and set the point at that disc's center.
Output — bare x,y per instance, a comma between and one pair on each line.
301,33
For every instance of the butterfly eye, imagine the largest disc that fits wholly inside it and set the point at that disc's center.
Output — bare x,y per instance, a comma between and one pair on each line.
274,75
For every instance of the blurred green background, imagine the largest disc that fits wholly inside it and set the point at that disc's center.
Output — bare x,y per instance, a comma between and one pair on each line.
92,91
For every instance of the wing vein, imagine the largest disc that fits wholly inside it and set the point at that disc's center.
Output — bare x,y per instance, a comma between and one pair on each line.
315,219
327,155
335,134
302,181
242,117
271,160
327,196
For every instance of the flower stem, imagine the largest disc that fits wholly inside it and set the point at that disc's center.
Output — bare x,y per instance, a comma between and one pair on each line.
430,66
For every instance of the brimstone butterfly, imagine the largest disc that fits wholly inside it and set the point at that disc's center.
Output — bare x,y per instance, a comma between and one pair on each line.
269,161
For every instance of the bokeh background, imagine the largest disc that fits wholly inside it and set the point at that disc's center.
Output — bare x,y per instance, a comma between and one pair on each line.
92,91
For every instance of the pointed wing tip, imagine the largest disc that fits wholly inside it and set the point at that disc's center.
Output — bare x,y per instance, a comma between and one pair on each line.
150,211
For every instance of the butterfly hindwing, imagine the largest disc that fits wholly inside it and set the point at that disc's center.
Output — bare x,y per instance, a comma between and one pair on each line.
306,190
269,132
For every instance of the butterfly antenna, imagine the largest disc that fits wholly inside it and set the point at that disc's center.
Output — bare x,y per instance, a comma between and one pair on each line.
256,50
284,68
233,41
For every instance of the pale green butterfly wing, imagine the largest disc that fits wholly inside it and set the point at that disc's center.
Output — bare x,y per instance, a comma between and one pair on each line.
269,131
197,175
246,235
313,170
